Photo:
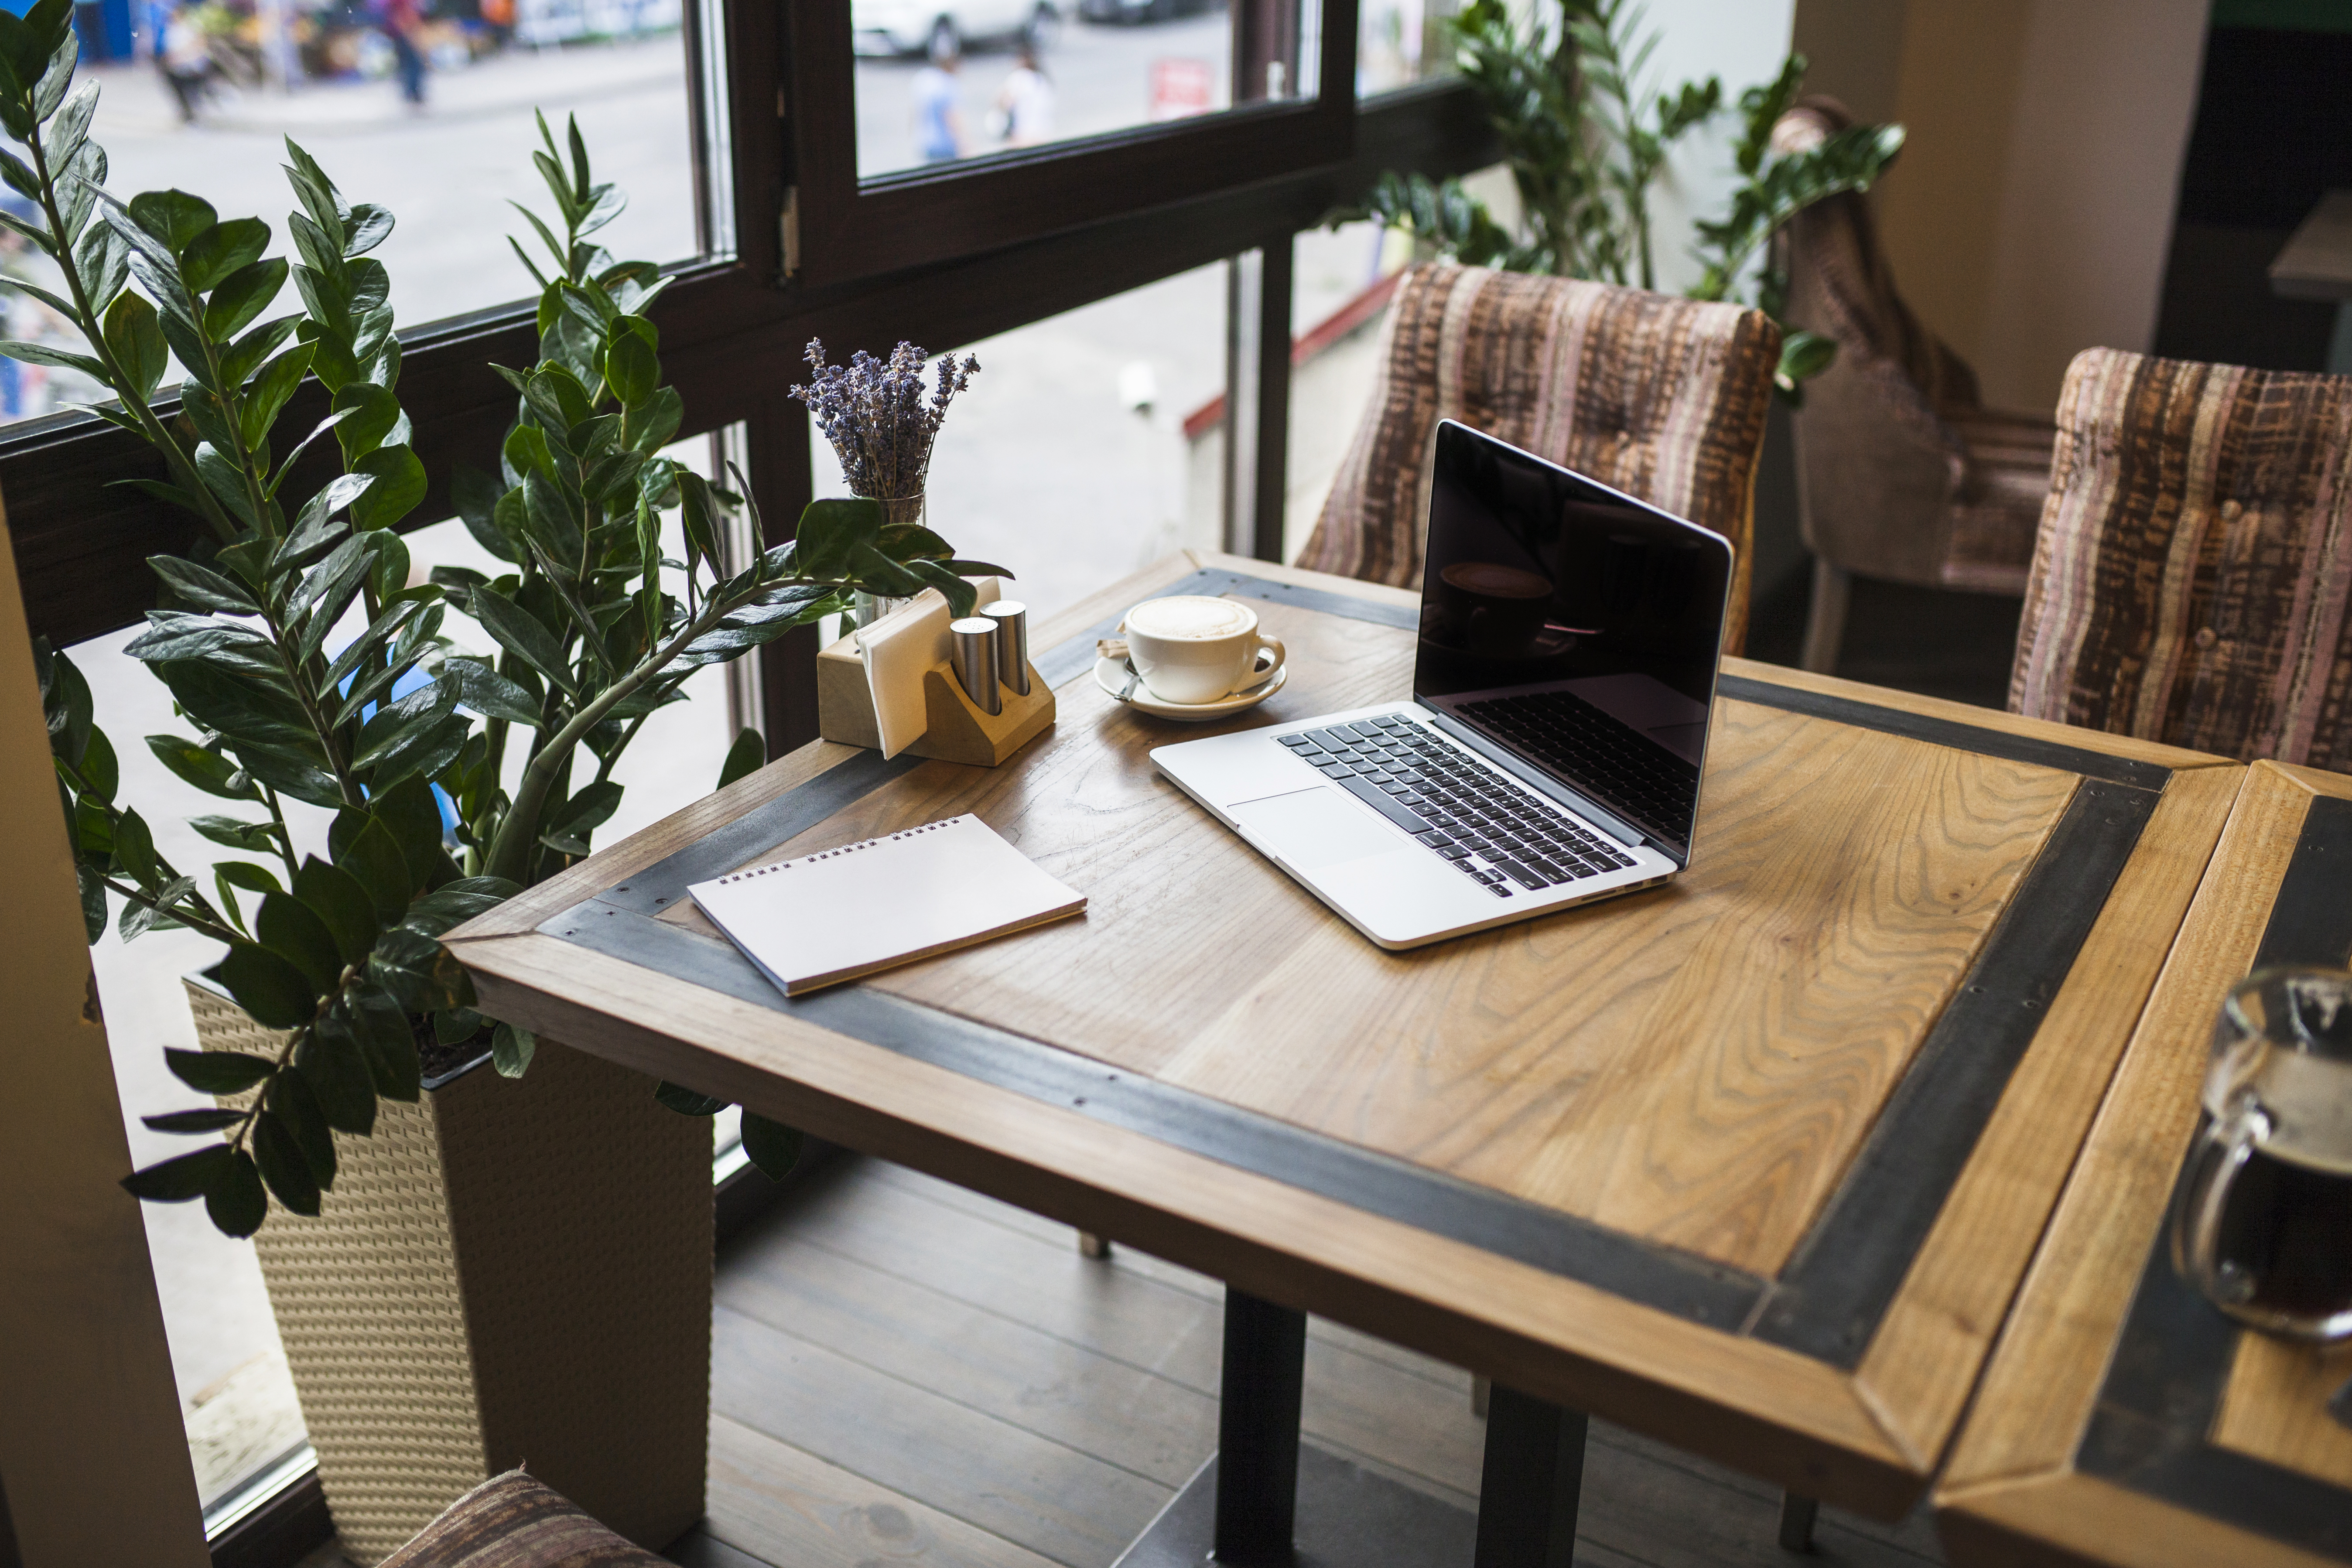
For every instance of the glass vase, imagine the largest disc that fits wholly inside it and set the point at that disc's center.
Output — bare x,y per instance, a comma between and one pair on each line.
865,608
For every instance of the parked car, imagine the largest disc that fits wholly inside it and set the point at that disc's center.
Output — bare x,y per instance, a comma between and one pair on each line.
1142,10
936,27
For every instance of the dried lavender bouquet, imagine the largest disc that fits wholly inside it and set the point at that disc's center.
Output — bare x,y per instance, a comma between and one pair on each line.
879,421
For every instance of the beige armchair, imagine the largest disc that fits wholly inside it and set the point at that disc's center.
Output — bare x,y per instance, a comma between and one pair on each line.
1901,473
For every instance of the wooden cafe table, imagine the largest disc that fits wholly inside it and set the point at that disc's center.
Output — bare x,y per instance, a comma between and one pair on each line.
1751,1162
2122,1419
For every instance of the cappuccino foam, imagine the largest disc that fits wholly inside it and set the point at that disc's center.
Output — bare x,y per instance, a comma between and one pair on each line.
1190,616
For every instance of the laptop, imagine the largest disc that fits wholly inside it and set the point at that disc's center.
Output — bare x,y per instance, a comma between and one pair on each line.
1552,749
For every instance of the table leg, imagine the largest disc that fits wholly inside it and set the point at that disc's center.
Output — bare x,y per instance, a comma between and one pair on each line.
1257,1430
1534,1474
1797,1515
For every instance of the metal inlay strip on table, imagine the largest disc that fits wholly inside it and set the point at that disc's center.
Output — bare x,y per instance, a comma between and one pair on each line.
1664,1278
2156,1406
1826,1304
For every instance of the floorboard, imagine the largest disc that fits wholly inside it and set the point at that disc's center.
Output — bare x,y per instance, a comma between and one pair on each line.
907,1373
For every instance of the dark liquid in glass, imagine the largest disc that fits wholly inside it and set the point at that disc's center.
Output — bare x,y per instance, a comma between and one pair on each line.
2286,1233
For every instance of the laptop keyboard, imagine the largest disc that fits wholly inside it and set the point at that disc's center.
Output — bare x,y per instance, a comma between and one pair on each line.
1579,740
1502,837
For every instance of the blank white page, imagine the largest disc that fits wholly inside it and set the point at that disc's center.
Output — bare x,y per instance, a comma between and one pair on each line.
842,913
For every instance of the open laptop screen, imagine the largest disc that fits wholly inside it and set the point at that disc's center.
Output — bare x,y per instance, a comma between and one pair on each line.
1574,626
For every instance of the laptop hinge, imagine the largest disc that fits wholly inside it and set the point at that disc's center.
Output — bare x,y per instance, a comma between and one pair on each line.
1528,773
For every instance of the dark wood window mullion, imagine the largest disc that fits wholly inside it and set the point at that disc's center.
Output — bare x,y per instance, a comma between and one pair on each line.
1270,479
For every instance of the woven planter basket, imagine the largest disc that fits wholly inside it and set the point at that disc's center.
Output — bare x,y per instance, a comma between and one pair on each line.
508,1272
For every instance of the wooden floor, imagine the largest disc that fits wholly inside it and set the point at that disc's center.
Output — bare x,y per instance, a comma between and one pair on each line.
905,1373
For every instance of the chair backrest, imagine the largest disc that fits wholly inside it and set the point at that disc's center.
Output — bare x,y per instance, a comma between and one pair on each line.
2193,577
512,1521
1662,398
1841,286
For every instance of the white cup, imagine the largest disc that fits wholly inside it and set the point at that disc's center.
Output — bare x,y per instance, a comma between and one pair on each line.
1193,649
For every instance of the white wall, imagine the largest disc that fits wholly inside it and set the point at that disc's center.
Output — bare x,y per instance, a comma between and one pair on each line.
1741,41
2030,216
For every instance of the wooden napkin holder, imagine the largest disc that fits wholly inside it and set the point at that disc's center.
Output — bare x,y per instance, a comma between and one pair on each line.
955,730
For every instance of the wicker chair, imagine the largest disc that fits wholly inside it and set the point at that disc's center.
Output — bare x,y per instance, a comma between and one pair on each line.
2193,582
1664,398
512,1521
1901,472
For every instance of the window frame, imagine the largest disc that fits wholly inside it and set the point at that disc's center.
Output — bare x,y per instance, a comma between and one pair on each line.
839,226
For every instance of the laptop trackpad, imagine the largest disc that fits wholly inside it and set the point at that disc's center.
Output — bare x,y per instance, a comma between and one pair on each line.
1311,828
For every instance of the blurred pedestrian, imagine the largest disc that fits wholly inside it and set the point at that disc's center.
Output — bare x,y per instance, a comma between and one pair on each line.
402,22
939,119
186,59
1026,101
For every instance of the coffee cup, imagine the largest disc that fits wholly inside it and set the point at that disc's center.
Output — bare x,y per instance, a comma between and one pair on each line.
1192,648
1498,610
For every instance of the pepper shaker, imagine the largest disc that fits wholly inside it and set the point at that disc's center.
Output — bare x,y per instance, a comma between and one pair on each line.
975,662
1011,619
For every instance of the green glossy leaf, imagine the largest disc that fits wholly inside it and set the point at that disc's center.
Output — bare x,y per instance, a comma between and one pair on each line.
484,690
174,217
174,634
772,1146
288,928
102,262
747,757
631,368
385,1040
65,702
521,634
410,815
280,1156
50,90
648,428
218,1072
399,487
239,708
367,226
268,986
373,858
181,1178
236,1201
567,827
330,1060
293,771
295,1107
220,251
203,587
253,838
93,901
475,495
139,918
456,1026
271,388
210,1119
41,353
417,971
454,903
134,849
373,411
687,1102
240,360
244,874
511,1050
830,532
343,906
136,340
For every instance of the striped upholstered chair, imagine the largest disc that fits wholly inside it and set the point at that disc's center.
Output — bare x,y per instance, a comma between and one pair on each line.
2193,579
512,1521
1664,398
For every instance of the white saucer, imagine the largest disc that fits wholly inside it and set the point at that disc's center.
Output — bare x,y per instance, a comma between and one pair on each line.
1112,676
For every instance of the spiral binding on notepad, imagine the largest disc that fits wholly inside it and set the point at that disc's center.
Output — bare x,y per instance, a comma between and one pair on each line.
845,849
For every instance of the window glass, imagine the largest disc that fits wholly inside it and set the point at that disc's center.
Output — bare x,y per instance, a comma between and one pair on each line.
235,1395
938,83
207,113
1400,42
1066,458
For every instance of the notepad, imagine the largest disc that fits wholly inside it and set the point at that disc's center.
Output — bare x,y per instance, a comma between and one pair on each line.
843,913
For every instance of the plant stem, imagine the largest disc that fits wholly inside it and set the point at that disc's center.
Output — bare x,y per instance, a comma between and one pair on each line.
197,923
285,838
182,467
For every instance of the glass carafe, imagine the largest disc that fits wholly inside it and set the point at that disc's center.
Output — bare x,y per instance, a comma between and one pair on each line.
2264,1223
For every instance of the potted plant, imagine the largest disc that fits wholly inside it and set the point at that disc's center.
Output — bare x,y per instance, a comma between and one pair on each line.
1585,141
473,1266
